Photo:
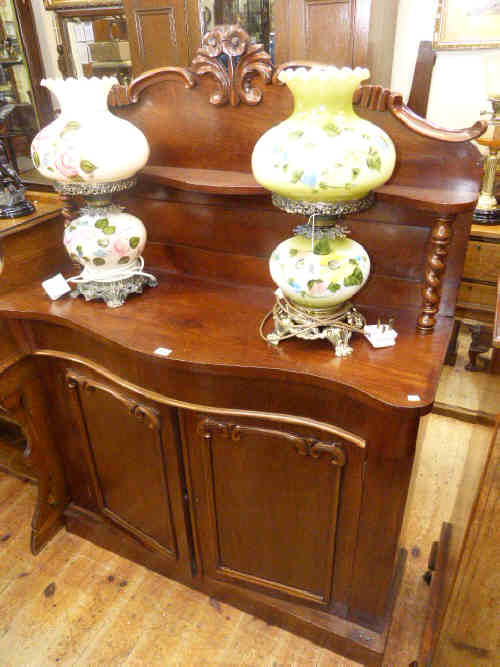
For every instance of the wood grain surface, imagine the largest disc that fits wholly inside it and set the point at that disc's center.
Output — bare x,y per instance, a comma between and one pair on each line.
227,337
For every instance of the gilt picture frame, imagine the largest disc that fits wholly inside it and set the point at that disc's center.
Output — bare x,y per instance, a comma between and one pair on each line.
74,4
467,24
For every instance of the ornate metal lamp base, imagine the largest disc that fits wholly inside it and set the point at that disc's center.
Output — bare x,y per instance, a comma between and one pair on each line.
487,217
114,293
335,325
332,210
17,209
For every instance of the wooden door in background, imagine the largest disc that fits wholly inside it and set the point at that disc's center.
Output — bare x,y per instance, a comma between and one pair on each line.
158,33
334,31
341,32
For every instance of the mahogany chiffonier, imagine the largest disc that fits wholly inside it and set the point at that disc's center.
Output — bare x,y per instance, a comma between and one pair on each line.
273,478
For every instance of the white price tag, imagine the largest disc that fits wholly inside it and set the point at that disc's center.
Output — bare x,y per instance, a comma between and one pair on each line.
163,351
56,286
413,398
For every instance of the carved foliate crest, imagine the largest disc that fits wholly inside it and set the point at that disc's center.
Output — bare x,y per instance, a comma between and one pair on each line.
229,57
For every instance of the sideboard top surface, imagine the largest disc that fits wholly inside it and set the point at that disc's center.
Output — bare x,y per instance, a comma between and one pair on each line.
214,327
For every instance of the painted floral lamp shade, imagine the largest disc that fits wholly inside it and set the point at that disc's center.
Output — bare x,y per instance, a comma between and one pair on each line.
87,143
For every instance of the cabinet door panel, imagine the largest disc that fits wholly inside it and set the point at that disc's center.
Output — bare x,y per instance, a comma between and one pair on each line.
331,31
157,33
125,444
271,504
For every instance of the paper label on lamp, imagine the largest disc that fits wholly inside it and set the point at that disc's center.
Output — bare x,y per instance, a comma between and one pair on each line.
163,351
56,287
413,398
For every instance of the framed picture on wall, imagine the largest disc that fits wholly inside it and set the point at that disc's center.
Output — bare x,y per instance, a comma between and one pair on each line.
467,24
70,4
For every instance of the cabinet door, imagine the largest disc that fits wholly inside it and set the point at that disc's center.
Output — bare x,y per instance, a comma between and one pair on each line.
331,31
157,33
275,509
131,450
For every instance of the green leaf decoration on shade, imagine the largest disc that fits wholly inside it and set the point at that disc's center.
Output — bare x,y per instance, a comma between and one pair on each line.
72,228
76,179
322,247
291,281
331,129
86,259
79,250
353,261
296,175
134,242
311,283
292,252
355,172
99,261
323,185
334,287
109,230
103,243
373,160
102,223
36,159
71,126
356,278
87,166
285,166
124,260
296,134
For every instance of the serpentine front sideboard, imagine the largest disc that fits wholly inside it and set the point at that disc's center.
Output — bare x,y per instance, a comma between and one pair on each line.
274,478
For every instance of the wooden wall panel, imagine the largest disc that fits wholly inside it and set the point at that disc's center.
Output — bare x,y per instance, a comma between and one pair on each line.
328,32
331,31
158,33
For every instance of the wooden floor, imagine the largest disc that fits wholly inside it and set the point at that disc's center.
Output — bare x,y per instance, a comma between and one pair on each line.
76,604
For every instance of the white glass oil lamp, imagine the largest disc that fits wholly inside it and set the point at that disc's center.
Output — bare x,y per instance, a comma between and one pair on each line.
90,152
324,162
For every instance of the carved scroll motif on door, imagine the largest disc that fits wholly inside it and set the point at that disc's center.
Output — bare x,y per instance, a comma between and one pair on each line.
142,413
303,446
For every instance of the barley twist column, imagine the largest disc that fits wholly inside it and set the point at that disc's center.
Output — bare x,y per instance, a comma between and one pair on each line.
434,269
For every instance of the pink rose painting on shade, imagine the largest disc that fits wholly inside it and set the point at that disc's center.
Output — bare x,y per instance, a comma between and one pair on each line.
316,287
121,247
67,163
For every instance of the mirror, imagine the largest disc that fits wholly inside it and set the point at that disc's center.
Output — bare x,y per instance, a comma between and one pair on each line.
94,43
19,119
255,16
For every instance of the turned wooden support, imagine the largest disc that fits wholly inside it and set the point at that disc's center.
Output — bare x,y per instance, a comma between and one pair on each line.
70,209
434,269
